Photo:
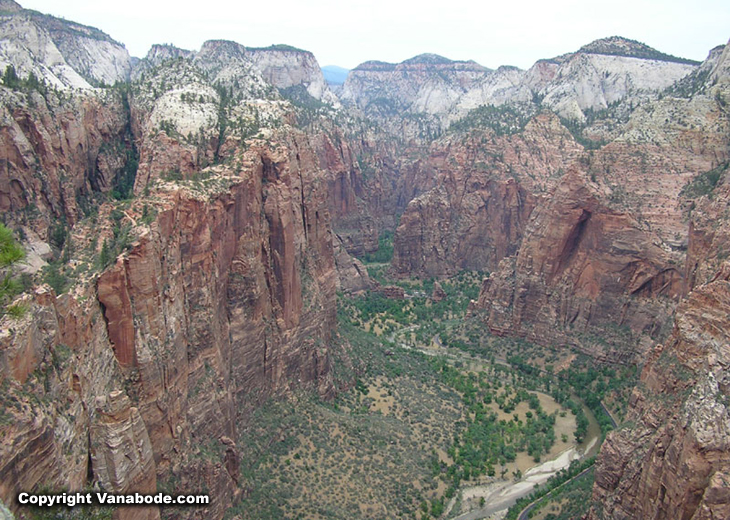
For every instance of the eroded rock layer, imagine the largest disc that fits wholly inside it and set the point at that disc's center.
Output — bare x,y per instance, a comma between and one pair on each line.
207,211
223,300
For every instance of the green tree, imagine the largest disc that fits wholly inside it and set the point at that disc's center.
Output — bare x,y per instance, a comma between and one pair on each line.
11,252
10,77
105,257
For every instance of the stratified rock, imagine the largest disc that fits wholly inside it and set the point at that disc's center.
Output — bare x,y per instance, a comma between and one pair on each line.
62,53
426,84
607,71
598,75
672,459
487,187
55,151
609,244
672,462
581,265
285,67
121,452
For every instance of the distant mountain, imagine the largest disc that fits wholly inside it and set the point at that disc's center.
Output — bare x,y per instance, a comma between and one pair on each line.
618,46
335,75
590,79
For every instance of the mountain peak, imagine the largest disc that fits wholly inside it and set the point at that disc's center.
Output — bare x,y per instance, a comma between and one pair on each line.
620,46
222,49
9,6
428,59
281,47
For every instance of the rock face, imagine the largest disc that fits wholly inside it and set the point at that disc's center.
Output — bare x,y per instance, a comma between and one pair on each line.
593,78
605,72
671,461
64,54
352,276
581,267
54,366
488,186
673,464
224,296
427,84
286,67
55,151
220,290
121,452
608,247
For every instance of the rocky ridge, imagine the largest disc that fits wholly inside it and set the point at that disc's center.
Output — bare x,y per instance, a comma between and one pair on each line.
220,288
670,460
592,79
487,186
204,313
286,67
578,241
62,53
222,293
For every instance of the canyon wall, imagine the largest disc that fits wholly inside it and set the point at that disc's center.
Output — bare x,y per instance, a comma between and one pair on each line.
601,263
670,458
226,297
439,91
206,212
189,305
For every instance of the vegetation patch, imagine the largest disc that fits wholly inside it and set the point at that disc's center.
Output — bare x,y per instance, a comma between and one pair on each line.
503,120
704,183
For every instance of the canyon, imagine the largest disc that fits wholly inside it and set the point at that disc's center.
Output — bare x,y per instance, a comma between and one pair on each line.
195,220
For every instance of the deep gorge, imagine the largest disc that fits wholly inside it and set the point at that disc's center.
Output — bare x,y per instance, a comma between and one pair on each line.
370,304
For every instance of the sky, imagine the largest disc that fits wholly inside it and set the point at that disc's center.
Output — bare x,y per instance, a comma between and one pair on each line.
338,32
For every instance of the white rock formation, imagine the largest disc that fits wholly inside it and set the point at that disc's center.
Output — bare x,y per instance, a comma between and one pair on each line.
285,67
63,54
593,78
428,84
29,48
594,81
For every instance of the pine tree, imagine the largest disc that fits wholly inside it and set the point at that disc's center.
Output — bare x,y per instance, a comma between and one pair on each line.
10,253
10,77
105,257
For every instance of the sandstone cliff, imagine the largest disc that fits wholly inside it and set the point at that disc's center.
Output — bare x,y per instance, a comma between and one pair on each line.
427,84
228,296
441,91
64,54
286,67
486,188
609,247
222,294
605,72
219,290
670,460
55,152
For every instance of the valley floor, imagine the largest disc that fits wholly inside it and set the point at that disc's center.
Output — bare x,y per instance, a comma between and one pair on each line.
439,424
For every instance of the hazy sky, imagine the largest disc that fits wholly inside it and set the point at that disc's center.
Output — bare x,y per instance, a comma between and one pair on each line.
508,32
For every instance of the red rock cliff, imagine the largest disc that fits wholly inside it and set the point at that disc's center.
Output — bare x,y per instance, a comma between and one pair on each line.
227,297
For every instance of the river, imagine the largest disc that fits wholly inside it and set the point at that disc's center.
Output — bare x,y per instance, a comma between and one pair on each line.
500,495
